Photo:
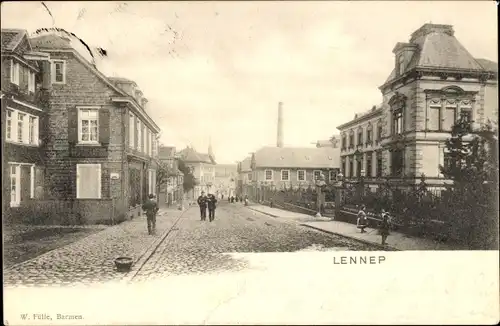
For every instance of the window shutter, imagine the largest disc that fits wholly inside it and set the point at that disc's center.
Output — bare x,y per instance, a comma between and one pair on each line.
72,125
104,126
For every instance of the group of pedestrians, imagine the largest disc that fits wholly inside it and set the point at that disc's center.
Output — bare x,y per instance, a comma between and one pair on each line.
383,226
205,202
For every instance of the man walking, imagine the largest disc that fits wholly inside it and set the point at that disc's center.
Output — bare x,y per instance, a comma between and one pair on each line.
151,208
202,202
212,203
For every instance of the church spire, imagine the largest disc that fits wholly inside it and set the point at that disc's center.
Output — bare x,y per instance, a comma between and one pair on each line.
210,151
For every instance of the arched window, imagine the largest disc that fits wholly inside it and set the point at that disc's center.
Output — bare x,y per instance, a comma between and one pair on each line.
360,136
369,134
397,104
351,138
344,141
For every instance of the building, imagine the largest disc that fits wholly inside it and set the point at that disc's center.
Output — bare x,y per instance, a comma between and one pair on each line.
244,179
203,169
225,179
99,142
172,190
23,111
434,80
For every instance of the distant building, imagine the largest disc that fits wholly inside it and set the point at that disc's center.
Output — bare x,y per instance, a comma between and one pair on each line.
244,179
203,168
225,179
280,167
172,190
434,80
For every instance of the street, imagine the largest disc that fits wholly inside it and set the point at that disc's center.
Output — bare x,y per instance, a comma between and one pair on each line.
196,246
183,245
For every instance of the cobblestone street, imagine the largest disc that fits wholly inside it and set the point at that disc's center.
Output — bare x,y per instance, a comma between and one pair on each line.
202,247
191,246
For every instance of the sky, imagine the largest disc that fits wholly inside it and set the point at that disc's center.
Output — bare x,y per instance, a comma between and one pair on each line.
215,71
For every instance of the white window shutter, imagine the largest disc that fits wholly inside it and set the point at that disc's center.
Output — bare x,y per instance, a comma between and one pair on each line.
99,181
37,128
12,70
32,182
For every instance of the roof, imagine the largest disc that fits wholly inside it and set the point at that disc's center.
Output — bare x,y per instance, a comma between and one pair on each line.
165,152
246,164
11,38
437,47
51,41
190,155
297,157
121,80
488,65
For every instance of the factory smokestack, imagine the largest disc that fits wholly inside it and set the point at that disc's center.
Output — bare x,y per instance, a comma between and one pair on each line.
279,141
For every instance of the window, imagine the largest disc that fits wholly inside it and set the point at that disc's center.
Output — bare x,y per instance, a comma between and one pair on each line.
301,175
33,135
379,132
22,182
14,72
344,139
143,138
31,82
139,136
351,167
15,181
285,175
8,128
359,166
131,131
88,181
379,164
269,174
466,109
88,125
397,121
450,116
369,137
397,162
58,72
343,166
21,127
317,174
333,175
369,165
250,177
435,116
401,67
351,139
360,137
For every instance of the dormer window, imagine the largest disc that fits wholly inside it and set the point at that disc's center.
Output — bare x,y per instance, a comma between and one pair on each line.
401,67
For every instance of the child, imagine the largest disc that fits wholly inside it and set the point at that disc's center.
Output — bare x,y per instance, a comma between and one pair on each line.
384,226
362,221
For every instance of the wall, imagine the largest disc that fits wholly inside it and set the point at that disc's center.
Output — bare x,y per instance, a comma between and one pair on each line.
491,102
82,88
259,175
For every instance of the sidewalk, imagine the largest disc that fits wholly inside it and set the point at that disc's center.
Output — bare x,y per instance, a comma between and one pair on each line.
395,241
91,259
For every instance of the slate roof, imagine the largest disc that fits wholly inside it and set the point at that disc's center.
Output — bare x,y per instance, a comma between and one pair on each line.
190,155
297,157
437,47
11,38
51,41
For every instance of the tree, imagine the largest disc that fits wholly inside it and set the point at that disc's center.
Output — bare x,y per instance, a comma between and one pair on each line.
163,174
189,180
472,164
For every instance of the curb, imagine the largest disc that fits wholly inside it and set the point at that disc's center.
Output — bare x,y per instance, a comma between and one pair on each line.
268,214
371,243
149,251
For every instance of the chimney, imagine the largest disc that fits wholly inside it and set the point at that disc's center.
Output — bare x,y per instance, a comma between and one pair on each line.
279,142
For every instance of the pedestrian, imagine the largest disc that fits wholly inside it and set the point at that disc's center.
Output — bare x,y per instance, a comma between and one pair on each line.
246,200
237,198
151,208
212,204
202,202
362,221
384,226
